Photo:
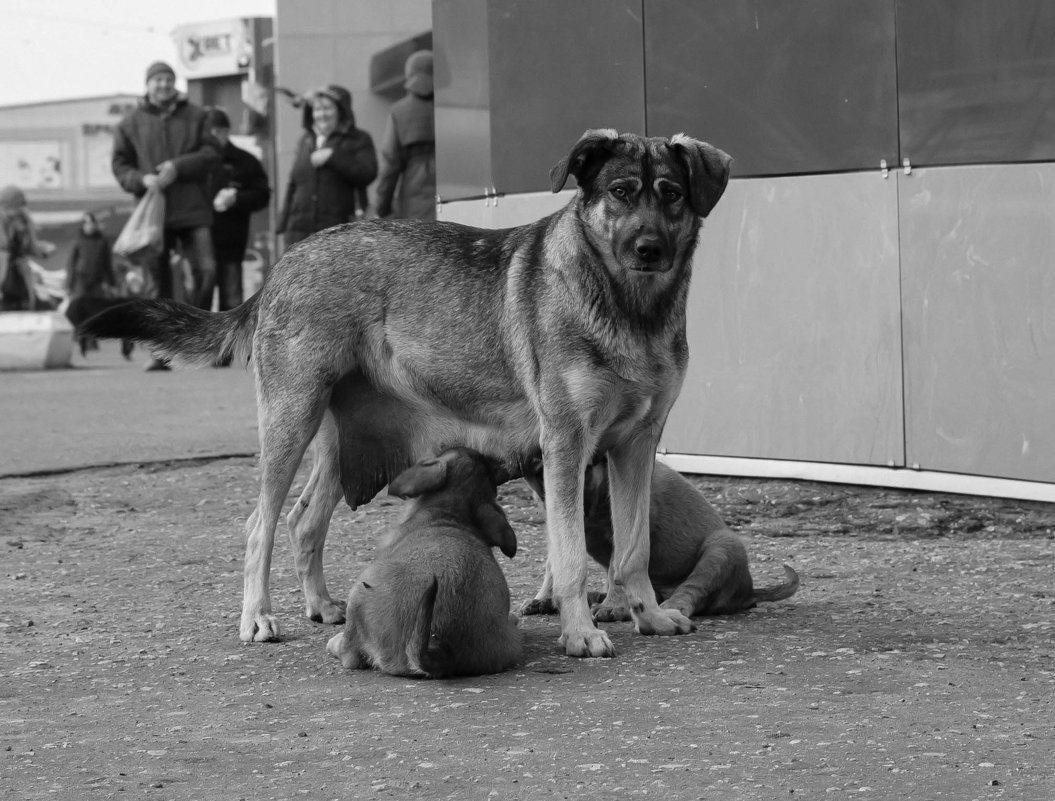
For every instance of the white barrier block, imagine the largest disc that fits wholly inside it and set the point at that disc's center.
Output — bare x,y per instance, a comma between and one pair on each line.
35,340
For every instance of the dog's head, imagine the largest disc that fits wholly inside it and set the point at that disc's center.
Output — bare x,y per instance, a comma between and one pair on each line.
465,481
643,198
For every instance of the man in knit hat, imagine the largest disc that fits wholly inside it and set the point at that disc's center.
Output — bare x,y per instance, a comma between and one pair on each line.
406,180
162,145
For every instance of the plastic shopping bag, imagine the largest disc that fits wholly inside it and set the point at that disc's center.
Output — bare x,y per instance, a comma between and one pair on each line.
144,233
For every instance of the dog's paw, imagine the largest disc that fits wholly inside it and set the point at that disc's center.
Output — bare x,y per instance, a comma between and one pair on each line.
326,611
259,628
539,606
609,614
663,622
591,642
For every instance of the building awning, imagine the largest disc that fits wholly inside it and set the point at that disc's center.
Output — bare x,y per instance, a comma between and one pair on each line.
386,66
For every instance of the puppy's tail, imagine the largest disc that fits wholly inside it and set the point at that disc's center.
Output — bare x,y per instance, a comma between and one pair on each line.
428,656
176,330
778,592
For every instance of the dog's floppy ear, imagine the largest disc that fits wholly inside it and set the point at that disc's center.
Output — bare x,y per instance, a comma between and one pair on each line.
595,142
708,171
496,529
428,475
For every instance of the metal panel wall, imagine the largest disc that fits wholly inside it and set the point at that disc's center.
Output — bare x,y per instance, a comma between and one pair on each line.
978,258
794,331
784,87
463,98
558,68
976,80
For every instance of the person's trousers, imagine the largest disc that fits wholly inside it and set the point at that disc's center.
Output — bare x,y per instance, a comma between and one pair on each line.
229,277
195,245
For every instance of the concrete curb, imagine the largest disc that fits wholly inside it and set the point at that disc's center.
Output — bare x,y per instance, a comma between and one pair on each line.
35,340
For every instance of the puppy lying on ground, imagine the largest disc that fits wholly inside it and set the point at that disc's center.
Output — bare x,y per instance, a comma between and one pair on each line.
435,602
697,565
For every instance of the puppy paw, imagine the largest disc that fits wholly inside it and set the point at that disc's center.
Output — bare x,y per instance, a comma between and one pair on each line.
591,642
609,614
663,622
539,606
325,611
684,608
259,627
334,645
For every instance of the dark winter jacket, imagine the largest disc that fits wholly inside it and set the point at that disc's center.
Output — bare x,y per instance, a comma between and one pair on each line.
408,160
318,198
90,271
243,172
148,136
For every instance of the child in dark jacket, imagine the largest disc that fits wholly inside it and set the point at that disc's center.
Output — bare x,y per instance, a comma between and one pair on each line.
90,272
90,280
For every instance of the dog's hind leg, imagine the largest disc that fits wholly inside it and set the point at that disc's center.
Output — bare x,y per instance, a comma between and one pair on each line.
309,521
288,418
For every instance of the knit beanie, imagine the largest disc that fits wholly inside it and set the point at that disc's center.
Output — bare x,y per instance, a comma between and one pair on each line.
418,73
158,67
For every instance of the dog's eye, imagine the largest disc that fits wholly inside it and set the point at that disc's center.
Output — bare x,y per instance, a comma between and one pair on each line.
670,195
619,192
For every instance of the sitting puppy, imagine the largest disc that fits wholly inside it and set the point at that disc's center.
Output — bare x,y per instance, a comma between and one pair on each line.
435,602
697,565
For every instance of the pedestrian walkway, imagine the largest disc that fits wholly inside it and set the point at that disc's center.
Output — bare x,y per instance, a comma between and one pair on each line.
106,410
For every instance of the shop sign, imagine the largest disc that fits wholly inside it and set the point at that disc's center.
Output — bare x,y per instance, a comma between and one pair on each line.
210,49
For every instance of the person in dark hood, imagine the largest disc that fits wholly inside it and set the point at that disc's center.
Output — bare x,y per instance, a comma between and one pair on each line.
18,243
406,183
334,163
162,143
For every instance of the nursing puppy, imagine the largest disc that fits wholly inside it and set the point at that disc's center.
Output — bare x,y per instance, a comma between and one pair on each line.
697,565
435,602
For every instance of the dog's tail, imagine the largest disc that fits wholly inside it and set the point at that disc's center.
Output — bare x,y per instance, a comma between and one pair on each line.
176,330
778,592
429,657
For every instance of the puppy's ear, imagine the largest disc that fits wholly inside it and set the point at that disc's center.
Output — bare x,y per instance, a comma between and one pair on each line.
584,155
708,171
496,529
428,475
500,472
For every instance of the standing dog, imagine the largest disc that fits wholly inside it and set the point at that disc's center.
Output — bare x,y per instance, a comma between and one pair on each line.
434,602
389,340
697,565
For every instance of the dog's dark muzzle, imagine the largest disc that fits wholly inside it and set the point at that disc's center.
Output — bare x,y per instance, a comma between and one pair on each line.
651,254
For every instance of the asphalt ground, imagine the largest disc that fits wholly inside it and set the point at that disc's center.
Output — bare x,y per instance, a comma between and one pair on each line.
107,410
917,660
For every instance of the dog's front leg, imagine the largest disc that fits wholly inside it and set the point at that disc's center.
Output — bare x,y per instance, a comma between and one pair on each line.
567,551
630,466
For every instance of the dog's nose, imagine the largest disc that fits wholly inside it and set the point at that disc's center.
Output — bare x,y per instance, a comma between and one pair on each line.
649,248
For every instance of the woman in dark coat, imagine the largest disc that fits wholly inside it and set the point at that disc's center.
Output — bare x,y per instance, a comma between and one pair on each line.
90,273
334,164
